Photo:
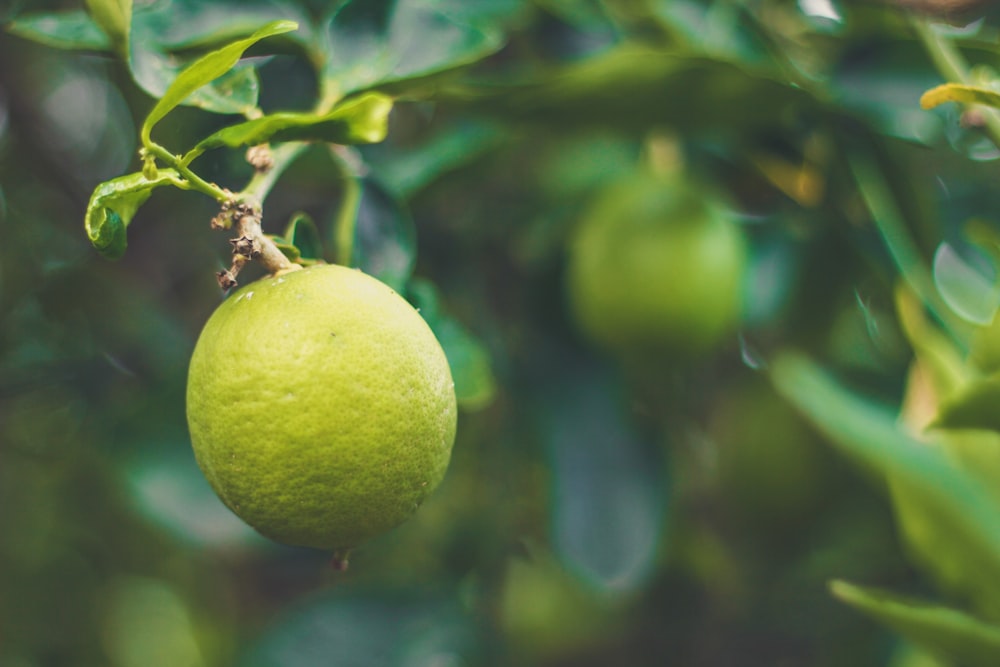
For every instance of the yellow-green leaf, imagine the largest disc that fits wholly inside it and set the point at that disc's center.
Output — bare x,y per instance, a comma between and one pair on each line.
115,19
361,120
114,203
206,69
958,92
944,632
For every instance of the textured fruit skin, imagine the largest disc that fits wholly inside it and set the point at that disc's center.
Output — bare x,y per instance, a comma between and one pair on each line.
655,266
321,407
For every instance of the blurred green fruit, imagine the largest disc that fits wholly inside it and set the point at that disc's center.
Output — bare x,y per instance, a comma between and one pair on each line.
656,266
548,614
771,465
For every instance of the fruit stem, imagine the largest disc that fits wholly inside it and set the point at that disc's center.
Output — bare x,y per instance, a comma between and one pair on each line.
250,241
282,157
193,180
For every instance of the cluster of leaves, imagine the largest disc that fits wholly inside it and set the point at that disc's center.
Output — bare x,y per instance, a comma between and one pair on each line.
357,49
780,104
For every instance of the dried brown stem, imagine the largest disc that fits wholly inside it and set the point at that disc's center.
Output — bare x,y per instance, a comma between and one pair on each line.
250,242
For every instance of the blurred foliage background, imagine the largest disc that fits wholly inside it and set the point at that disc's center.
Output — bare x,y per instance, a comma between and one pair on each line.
603,507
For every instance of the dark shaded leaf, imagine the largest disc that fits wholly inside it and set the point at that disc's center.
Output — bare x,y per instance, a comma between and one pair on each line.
470,364
637,87
375,42
609,492
383,241
374,630
64,30
188,24
408,172
303,235
468,357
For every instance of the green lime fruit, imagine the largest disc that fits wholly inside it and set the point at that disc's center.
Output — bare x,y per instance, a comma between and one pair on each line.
656,266
321,407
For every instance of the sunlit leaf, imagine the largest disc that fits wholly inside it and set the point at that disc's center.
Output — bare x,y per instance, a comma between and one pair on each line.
114,203
115,19
947,516
235,92
375,42
972,295
958,92
976,406
73,29
943,631
207,68
357,121
936,353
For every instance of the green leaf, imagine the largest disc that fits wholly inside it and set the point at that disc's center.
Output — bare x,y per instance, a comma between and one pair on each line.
363,119
637,87
976,406
469,360
947,516
197,24
368,628
375,42
235,92
206,69
304,236
408,171
942,631
958,92
935,352
114,203
468,357
167,487
64,30
115,19
608,485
